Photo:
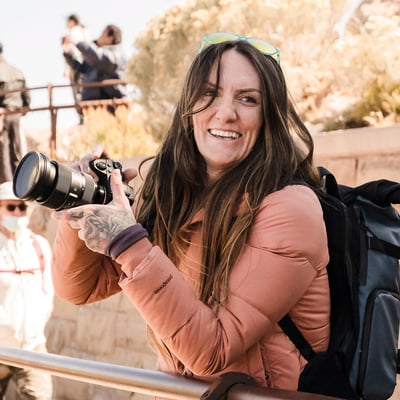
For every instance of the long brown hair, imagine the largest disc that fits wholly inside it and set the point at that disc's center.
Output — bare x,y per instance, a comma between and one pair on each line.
175,186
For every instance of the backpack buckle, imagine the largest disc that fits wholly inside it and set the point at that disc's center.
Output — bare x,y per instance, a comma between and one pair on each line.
218,390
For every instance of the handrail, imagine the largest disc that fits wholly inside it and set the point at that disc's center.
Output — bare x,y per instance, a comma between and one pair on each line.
152,383
53,109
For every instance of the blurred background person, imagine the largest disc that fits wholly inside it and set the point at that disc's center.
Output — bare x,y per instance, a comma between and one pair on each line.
78,32
26,295
76,29
99,60
12,141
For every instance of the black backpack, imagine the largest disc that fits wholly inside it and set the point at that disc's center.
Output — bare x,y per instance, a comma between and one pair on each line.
363,229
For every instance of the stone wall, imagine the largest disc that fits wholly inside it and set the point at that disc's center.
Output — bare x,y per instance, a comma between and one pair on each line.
112,331
356,156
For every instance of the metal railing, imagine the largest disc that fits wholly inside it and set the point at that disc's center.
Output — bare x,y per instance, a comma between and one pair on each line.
54,108
152,383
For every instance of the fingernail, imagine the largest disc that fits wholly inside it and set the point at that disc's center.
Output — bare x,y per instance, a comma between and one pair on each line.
116,173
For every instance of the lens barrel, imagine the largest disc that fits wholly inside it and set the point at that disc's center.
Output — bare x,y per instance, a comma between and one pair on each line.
52,184
34,177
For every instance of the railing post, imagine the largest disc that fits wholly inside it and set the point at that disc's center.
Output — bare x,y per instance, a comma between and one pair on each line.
53,122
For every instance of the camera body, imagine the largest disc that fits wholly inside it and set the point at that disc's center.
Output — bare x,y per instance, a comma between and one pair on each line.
56,186
103,168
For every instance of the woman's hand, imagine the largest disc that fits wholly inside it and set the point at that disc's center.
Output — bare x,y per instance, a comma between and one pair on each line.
98,152
83,164
99,224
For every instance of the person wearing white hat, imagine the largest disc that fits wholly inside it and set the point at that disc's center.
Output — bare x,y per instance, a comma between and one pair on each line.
26,295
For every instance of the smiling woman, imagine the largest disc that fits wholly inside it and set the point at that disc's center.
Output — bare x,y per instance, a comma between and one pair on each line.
226,235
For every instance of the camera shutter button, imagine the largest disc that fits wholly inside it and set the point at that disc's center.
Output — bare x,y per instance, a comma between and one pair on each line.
109,166
101,165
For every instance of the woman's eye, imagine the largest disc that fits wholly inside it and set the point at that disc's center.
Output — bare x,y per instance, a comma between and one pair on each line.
249,99
210,93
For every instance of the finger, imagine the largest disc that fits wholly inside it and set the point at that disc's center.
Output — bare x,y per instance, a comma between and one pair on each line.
98,151
71,214
75,214
62,216
117,187
58,215
75,166
84,163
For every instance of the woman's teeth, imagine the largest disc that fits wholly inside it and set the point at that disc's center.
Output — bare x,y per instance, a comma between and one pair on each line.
224,134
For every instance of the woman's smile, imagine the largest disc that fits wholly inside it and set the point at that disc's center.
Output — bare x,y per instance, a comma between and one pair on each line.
226,135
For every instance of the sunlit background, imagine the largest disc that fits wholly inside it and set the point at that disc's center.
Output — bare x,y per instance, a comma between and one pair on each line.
31,33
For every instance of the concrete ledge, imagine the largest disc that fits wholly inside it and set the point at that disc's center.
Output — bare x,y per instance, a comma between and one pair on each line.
360,142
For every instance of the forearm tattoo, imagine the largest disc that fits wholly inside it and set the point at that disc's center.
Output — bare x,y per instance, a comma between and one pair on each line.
103,225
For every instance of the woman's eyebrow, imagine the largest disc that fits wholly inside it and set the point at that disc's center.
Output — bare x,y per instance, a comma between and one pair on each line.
245,90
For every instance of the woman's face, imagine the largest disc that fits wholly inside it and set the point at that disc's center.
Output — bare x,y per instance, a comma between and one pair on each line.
226,131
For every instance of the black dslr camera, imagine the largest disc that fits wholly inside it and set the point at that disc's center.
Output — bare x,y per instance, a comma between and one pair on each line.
56,186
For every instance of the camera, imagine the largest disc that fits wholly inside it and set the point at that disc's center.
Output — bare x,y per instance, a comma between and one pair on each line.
56,186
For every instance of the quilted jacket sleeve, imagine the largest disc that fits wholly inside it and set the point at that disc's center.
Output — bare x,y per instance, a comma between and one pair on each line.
79,275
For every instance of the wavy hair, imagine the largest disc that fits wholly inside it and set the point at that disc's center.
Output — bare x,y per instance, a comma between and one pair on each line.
175,187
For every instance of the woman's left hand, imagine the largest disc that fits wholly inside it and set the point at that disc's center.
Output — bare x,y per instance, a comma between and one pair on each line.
99,224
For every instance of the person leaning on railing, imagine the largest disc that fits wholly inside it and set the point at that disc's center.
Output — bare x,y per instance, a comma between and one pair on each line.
226,235
98,60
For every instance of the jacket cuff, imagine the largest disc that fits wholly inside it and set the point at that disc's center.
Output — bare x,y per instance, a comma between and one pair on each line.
126,239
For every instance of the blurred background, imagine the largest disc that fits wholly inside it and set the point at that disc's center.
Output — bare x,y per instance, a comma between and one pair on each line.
341,59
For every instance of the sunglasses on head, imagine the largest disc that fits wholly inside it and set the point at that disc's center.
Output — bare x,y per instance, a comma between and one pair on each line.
12,207
220,37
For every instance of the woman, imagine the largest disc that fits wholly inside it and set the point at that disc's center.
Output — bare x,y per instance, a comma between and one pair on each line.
234,235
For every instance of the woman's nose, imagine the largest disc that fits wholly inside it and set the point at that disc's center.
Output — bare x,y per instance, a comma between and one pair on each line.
226,110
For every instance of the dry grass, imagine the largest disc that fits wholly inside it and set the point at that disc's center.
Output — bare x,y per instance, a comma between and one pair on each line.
122,135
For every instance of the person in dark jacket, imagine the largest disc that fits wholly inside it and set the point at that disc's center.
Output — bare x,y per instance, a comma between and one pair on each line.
99,60
12,141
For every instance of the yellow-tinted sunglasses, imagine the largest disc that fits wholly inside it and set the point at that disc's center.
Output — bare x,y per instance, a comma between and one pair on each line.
220,37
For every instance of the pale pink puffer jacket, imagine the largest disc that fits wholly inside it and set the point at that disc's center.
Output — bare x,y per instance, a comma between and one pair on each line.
281,269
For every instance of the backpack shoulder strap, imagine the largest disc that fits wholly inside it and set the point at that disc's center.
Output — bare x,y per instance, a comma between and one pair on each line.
331,185
40,255
39,252
297,338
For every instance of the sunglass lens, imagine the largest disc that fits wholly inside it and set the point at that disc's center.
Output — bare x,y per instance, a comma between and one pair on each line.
12,207
264,47
215,38
260,45
220,37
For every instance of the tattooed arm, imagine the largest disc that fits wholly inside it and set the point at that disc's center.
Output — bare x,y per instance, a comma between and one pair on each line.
81,272
99,224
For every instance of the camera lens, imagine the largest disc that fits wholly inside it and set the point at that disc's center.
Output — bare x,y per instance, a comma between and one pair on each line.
34,178
53,185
